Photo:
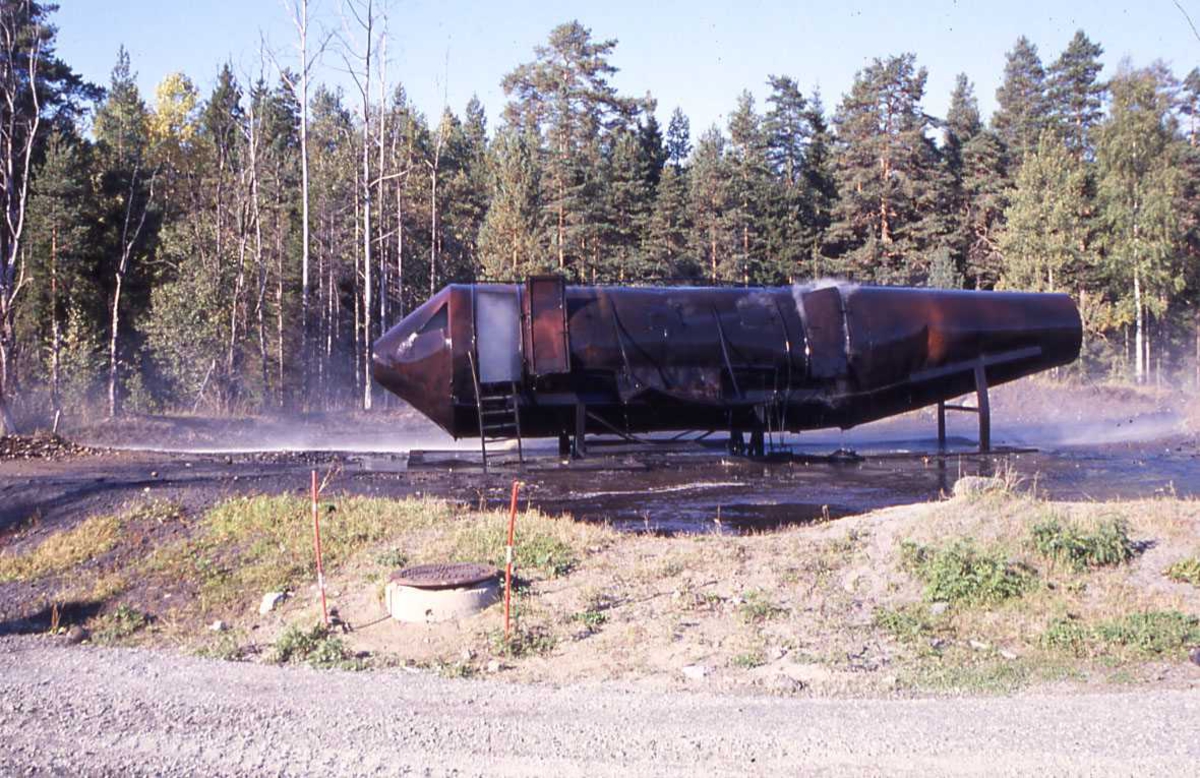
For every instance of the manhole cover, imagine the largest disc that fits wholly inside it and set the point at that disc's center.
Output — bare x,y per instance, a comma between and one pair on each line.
442,576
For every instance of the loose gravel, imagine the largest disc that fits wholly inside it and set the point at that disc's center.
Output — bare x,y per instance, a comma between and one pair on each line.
93,711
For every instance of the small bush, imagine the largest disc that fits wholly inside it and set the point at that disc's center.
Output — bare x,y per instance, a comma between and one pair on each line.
1185,571
750,660
963,574
524,641
1066,542
908,624
316,647
1066,634
393,558
120,624
756,608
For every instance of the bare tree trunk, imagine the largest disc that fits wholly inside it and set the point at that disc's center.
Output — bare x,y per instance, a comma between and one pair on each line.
55,329
129,238
1139,322
20,58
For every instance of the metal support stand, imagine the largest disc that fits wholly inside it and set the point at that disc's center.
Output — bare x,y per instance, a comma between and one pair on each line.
941,418
580,428
985,410
737,442
982,408
757,447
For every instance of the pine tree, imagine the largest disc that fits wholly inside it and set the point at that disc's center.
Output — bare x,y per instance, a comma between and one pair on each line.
1189,106
1074,95
565,93
1022,111
1046,223
61,257
709,193
985,191
887,171
665,250
628,210
961,127
788,210
749,194
127,177
652,150
509,238
820,177
679,143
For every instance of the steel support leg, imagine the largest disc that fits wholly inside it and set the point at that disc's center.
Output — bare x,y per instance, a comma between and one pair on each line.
941,422
985,410
580,428
757,447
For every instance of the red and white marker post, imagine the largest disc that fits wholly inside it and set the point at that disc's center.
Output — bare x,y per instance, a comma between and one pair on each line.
508,557
317,548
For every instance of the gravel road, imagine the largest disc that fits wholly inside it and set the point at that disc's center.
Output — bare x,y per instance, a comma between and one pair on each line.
92,711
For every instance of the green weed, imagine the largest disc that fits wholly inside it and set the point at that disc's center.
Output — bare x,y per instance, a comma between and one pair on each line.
1185,571
1107,544
120,624
756,607
960,573
315,647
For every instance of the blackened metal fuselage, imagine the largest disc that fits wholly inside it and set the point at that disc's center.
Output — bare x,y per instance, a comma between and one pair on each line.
647,359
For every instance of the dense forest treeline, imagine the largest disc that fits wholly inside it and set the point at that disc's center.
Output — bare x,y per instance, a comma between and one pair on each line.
239,250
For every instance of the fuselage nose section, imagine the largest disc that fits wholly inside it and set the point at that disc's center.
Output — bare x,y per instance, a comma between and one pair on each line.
413,360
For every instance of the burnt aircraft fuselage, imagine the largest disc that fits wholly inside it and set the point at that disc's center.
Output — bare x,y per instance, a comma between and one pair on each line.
646,359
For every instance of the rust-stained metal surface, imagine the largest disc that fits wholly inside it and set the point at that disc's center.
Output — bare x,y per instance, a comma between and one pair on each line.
781,358
450,575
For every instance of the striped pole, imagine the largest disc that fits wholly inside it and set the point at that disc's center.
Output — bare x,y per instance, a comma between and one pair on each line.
508,557
317,549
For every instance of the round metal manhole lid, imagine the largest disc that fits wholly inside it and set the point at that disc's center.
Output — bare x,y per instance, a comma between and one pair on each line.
443,576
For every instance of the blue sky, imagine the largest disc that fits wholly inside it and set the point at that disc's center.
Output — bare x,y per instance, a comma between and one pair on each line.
694,55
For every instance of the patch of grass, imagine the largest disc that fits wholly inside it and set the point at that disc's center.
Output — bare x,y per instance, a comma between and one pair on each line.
1153,633
315,647
249,545
524,641
592,619
962,574
62,550
1106,544
1066,634
120,624
225,648
540,544
750,659
156,510
392,558
756,607
970,675
1149,634
1185,571
911,623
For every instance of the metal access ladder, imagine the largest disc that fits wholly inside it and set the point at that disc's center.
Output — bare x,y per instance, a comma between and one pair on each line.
499,414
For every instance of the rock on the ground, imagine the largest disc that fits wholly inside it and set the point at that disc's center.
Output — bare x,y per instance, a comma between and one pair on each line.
218,626
270,601
694,672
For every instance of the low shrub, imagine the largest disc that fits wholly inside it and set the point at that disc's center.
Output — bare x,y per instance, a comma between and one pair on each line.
1185,571
1066,542
960,573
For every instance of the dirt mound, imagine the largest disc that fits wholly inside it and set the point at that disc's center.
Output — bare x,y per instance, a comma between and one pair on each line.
42,447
